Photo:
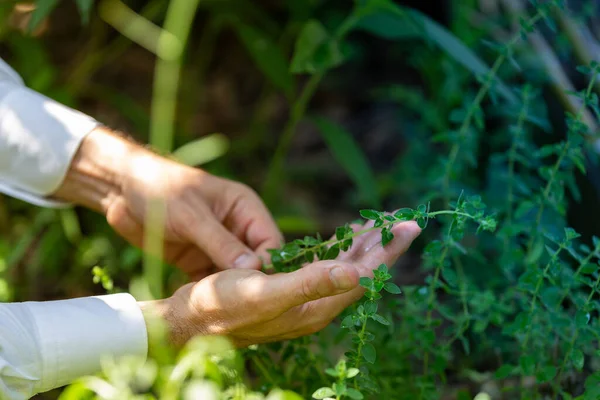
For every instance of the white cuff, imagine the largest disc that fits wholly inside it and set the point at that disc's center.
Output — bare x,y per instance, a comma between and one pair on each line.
38,140
75,334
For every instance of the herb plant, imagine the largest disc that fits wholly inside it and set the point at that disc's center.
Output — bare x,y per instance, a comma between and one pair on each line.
496,131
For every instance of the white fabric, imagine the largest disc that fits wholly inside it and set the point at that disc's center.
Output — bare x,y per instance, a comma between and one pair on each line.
47,345
38,139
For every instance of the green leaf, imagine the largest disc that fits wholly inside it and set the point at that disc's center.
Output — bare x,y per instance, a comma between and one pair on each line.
546,373
380,319
393,22
323,392
332,252
382,268
588,268
202,150
315,50
352,372
385,19
582,318
504,371
386,236
577,359
267,56
366,282
450,276
405,214
42,10
354,394
370,307
368,352
457,50
392,288
527,364
278,394
350,156
85,10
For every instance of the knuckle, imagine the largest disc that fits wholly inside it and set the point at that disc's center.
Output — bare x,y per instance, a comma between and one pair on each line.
307,291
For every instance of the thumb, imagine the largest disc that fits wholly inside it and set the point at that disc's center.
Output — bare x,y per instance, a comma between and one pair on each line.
222,246
317,280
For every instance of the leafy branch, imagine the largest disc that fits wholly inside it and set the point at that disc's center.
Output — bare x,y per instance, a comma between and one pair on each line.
473,112
292,255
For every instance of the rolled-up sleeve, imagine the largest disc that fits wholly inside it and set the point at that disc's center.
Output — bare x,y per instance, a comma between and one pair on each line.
38,140
46,345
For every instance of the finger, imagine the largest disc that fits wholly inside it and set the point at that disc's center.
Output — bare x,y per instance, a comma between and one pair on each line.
320,312
315,281
193,263
261,232
372,254
222,246
121,220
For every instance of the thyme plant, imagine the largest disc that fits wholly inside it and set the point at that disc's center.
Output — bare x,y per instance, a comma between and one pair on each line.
509,308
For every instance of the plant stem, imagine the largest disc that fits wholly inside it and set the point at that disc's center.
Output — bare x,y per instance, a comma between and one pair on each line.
555,169
575,334
177,27
466,124
387,224
586,260
264,370
359,346
431,298
512,154
538,286
298,109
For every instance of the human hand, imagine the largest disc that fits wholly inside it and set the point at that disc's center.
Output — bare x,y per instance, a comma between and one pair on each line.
210,223
251,307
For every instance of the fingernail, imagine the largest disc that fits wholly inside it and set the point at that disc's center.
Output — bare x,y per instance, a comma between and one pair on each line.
246,260
341,279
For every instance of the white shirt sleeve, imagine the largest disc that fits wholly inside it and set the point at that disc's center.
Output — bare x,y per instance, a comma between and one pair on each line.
38,140
47,345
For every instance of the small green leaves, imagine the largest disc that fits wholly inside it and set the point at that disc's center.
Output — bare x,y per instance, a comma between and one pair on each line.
354,394
368,352
365,282
404,214
323,393
546,374
315,50
527,364
577,359
386,236
391,288
371,214
352,372
380,319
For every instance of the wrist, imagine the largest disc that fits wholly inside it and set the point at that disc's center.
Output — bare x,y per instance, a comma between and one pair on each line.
96,174
166,322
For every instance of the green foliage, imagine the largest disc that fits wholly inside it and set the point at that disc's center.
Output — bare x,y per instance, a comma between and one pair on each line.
348,153
511,304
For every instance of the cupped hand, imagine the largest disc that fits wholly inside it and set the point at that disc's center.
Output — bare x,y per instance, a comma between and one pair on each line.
252,307
210,223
